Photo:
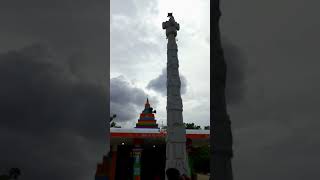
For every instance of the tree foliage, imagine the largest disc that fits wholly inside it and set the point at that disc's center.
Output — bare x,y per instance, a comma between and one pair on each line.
201,159
114,124
191,126
13,173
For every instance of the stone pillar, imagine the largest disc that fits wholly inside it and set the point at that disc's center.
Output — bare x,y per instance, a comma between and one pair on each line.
220,125
176,140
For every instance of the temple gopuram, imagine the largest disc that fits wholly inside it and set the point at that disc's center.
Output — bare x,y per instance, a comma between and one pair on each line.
147,119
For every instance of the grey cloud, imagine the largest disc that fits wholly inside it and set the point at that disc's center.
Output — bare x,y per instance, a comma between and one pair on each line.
275,122
47,115
129,47
54,94
119,7
259,145
130,8
159,84
127,100
68,26
129,36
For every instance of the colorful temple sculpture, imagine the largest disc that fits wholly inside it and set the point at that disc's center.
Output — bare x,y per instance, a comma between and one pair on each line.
147,119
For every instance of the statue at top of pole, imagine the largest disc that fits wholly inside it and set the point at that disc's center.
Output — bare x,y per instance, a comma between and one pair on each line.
171,26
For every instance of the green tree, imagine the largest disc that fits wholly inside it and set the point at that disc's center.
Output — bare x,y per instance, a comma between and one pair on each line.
114,124
191,126
14,173
4,177
201,159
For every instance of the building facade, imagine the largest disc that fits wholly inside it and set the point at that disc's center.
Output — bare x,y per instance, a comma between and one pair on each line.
140,152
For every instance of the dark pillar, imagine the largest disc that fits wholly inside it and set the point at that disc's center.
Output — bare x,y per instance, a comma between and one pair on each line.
220,125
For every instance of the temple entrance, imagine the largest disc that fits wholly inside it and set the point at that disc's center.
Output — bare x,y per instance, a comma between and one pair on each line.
124,169
153,161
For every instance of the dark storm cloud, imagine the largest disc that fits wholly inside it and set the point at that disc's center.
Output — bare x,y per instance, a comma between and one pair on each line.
69,26
54,94
127,100
159,84
236,72
46,111
275,123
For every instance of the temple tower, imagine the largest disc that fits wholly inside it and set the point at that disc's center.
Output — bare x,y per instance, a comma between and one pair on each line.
147,119
176,156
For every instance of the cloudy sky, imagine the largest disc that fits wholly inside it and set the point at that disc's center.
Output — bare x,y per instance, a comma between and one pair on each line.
138,58
54,74
54,81
272,52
